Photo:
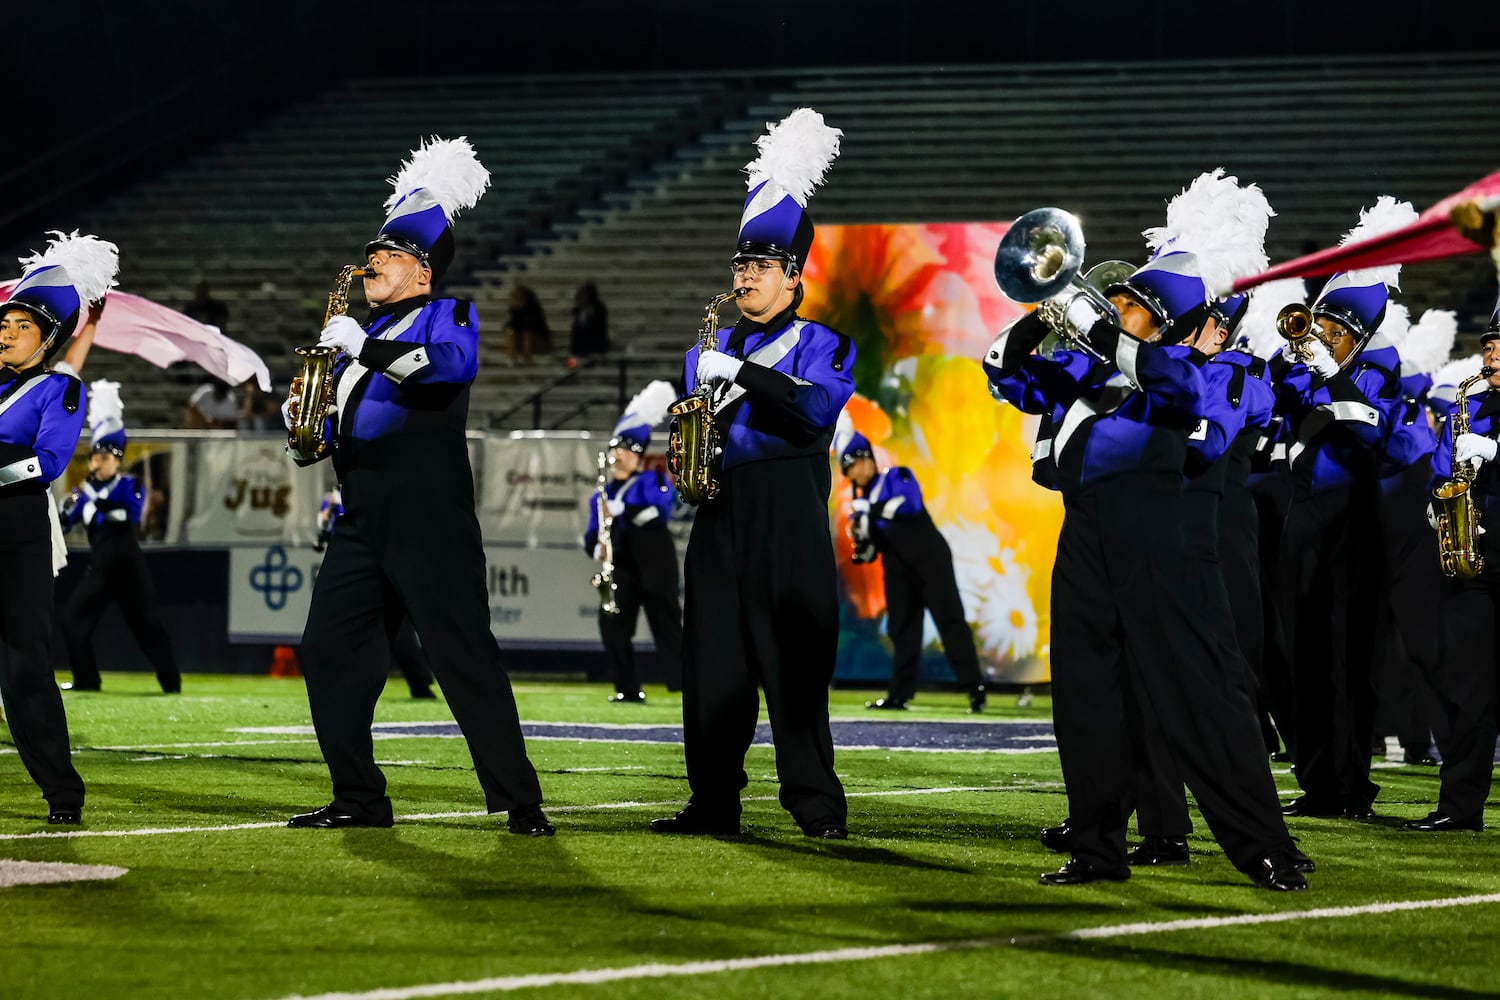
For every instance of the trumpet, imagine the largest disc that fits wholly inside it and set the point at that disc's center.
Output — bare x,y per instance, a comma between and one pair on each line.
1039,260
1296,325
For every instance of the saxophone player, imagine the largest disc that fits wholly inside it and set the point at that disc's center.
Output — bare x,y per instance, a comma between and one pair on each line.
638,504
1471,613
408,544
761,591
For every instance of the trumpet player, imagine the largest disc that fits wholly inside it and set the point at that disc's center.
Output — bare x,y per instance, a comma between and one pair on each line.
761,585
1125,620
1336,386
1471,613
408,543
638,504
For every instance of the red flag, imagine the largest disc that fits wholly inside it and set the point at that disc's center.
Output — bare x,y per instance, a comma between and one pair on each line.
1431,237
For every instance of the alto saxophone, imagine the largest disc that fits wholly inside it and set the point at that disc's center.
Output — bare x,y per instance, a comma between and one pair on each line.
308,435
1452,501
693,446
604,580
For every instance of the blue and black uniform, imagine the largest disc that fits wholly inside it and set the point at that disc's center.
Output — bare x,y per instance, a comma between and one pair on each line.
41,417
1332,566
761,583
918,568
645,575
408,545
1124,612
110,512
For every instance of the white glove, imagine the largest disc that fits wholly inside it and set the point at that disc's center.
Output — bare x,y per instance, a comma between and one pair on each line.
598,551
1432,518
713,365
286,410
615,507
345,333
1081,313
1472,446
861,505
1321,361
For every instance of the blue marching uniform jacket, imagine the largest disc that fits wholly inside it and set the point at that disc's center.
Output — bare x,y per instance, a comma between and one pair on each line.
785,402
1108,420
1411,438
1334,425
41,418
1484,420
647,497
104,508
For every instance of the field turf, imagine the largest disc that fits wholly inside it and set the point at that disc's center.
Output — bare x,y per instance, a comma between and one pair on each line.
943,858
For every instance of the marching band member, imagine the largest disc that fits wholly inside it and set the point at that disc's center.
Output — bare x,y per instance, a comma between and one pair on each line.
1123,611
1471,613
108,504
41,417
1337,402
408,544
638,502
761,582
890,523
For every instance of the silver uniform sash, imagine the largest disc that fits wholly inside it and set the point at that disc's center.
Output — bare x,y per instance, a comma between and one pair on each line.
1117,391
768,356
355,374
21,391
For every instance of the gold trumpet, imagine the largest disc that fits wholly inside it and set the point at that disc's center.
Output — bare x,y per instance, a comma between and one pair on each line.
1296,325
313,389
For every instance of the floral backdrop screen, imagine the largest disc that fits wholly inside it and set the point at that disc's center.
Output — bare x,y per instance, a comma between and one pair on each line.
921,305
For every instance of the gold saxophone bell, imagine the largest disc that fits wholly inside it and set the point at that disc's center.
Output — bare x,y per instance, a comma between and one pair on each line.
308,436
1453,501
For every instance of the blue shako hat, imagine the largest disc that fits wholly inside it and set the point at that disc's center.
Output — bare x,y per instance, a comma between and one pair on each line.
442,178
646,410
106,417
1170,288
1358,298
58,282
794,157
1491,332
1229,312
858,446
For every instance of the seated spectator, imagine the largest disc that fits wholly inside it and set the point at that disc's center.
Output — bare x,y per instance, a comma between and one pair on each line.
214,406
526,330
590,335
259,412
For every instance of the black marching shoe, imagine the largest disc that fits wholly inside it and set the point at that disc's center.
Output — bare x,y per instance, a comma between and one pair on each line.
1419,758
1300,861
330,817
696,819
887,704
65,816
423,692
1306,805
1437,822
1159,851
1280,872
75,686
1361,808
1058,838
529,821
621,698
977,699
827,829
1077,872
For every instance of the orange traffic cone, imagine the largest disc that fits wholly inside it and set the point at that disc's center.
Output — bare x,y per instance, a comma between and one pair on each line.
284,662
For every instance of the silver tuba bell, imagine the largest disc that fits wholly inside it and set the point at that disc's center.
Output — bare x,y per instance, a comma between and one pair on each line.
1039,260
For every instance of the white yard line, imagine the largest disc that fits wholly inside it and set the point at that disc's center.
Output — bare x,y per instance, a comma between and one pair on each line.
655,970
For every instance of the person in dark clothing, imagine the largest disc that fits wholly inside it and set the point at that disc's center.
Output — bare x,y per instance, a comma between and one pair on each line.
761,582
637,505
41,417
108,504
408,544
590,334
526,329
890,523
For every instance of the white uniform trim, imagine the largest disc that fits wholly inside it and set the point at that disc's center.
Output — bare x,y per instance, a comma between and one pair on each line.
1116,390
20,392
646,516
407,365
768,356
354,375
1200,433
1352,412
888,511
1126,349
20,471
1042,449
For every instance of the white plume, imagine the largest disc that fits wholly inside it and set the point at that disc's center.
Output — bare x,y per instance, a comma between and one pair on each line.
1456,371
1429,342
106,409
843,431
1222,224
1395,325
796,154
448,169
1257,330
1386,216
91,263
649,406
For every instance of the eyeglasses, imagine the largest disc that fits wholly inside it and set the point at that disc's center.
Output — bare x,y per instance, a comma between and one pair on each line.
754,268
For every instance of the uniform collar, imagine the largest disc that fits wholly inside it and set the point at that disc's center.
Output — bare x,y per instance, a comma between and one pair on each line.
395,310
747,326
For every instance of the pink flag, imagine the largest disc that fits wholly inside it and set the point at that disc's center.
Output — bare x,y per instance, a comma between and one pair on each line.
1431,237
163,336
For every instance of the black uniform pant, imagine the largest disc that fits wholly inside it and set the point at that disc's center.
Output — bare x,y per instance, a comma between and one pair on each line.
929,585
1277,698
645,578
33,703
762,609
1331,567
428,565
411,659
1467,689
1123,621
117,573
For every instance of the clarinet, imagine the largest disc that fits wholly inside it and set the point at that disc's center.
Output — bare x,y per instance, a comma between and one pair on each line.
604,580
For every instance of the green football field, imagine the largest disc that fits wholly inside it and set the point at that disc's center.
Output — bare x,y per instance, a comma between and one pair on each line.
934,895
